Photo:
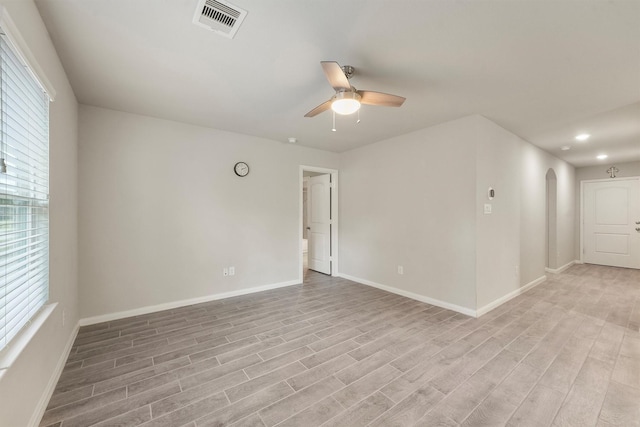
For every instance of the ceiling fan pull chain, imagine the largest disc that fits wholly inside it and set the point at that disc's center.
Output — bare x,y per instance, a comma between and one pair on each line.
358,121
333,129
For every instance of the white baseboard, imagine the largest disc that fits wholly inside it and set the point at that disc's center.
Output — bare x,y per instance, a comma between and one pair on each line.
175,304
561,269
464,310
46,396
418,297
487,308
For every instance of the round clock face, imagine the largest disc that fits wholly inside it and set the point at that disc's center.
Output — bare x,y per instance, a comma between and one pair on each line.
241,169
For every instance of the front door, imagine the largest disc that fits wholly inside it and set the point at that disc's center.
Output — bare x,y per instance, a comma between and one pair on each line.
611,229
319,205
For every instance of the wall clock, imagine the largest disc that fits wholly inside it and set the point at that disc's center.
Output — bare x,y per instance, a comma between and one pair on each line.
241,169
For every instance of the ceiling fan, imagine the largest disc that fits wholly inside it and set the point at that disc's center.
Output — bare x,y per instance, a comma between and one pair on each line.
347,99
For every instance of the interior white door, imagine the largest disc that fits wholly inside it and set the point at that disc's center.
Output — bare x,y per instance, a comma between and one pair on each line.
611,229
319,206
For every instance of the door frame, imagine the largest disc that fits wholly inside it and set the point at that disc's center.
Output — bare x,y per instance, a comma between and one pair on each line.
334,217
551,220
622,178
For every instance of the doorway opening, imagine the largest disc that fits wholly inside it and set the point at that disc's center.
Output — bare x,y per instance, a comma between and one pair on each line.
318,224
551,235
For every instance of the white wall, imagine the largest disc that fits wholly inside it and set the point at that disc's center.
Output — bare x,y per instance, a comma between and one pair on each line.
497,234
162,212
598,172
534,164
515,234
417,200
410,201
24,384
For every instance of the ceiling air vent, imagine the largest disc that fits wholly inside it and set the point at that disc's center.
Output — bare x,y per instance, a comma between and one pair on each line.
219,16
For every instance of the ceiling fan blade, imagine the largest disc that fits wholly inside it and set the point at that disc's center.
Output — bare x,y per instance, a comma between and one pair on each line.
335,75
379,98
319,109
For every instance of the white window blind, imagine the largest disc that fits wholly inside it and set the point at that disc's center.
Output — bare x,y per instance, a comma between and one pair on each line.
24,194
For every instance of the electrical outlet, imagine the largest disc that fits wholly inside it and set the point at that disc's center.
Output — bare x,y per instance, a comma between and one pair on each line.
400,270
232,271
225,272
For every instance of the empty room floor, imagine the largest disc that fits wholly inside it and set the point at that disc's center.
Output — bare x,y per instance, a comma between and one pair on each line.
335,353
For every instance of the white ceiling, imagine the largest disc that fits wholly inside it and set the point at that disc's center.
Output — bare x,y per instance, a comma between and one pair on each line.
544,70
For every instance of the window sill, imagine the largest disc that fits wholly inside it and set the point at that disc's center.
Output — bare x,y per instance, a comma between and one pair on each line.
11,352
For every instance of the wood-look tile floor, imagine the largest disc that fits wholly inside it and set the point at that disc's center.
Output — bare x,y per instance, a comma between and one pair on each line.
335,353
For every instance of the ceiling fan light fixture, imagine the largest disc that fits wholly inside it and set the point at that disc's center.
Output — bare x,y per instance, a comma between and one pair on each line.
345,103
348,100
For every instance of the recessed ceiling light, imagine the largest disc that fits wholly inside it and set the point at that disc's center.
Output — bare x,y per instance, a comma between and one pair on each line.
602,156
565,148
582,137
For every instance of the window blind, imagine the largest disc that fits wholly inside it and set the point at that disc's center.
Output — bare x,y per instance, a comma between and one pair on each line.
24,193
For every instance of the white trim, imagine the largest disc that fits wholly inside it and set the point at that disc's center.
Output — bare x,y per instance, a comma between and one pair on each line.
619,178
334,218
17,344
335,225
417,297
23,51
581,248
487,308
622,178
46,396
175,304
560,269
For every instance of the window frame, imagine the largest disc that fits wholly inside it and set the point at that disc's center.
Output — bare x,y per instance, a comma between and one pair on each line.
19,48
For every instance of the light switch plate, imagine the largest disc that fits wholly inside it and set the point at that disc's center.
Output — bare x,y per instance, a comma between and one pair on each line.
487,208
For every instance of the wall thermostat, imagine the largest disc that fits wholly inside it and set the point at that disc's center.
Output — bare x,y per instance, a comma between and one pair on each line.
491,193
